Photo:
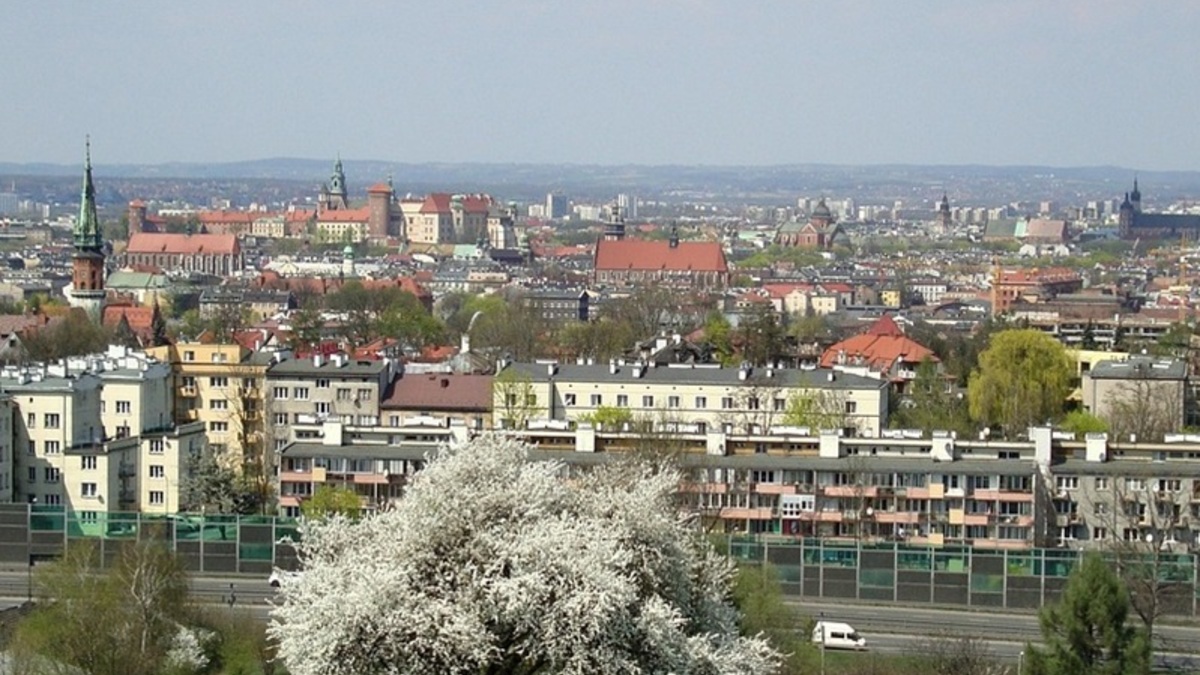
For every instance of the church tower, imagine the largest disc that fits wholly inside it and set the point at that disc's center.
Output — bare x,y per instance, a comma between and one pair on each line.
87,278
333,194
1135,197
614,229
945,219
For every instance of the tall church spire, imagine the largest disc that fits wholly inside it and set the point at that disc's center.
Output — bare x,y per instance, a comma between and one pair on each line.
87,227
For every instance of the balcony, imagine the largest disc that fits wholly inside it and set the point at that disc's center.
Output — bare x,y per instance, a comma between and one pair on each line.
731,513
188,392
976,518
849,490
898,517
774,489
704,488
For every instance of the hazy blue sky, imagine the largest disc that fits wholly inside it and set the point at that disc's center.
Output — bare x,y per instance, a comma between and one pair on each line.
1055,82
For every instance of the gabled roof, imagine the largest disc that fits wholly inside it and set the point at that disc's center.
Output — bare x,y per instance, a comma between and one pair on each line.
183,244
437,202
139,319
639,254
345,215
880,347
440,391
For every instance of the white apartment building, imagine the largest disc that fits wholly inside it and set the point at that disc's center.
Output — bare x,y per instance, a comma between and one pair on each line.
685,397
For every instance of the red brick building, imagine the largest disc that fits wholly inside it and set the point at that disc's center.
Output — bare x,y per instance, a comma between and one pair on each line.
623,262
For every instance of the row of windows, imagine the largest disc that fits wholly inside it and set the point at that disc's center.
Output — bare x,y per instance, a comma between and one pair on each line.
1103,483
698,402
302,393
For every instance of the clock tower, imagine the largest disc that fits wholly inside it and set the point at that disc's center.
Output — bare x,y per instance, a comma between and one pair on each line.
87,278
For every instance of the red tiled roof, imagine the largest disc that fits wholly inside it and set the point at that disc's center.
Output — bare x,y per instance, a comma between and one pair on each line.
140,319
186,244
345,216
879,347
639,254
477,203
437,202
440,391
20,323
299,215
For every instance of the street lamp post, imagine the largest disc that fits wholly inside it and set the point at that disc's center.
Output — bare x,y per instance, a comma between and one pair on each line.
821,637
1021,662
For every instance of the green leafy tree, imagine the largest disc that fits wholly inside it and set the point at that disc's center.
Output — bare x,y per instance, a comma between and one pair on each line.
74,335
329,500
306,328
1022,380
761,335
759,596
1089,632
609,418
929,406
817,409
1083,422
719,333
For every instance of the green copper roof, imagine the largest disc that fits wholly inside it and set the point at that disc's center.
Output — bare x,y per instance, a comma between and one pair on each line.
87,227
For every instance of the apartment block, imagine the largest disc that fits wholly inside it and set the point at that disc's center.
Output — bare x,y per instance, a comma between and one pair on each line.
304,394
8,469
97,435
686,397
223,387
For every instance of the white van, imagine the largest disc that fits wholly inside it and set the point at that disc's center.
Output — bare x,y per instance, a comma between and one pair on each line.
837,635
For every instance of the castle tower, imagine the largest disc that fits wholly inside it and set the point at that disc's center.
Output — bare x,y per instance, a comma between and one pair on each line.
87,278
379,211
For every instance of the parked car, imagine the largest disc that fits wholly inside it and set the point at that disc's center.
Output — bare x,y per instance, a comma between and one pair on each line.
280,577
838,635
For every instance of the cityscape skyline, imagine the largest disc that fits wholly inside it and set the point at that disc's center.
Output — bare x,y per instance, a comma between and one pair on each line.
668,83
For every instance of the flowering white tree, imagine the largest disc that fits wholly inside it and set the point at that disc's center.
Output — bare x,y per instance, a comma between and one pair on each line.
493,563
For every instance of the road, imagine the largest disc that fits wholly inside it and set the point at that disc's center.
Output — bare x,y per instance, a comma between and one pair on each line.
888,628
891,628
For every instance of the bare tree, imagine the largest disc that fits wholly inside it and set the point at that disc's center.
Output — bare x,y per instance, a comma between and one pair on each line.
514,398
1145,407
759,404
950,654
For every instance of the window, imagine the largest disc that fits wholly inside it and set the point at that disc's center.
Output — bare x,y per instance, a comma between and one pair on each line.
218,426
123,432
364,394
279,393
752,403
780,404
32,450
156,471
218,382
156,446
1135,484
33,474
647,401
569,399
324,407
1168,485
31,421
343,394
53,420
851,407
672,401
322,383
597,400
300,393
189,356
701,402
622,401
1101,483
1099,533
157,497
1100,509
53,447
88,489
1066,482
249,383
218,404
531,399
87,462
281,419
52,499
727,403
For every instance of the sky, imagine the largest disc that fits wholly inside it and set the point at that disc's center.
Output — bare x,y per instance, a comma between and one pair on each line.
651,82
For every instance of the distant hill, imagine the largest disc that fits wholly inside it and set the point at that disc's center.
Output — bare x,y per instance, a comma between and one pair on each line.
748,184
